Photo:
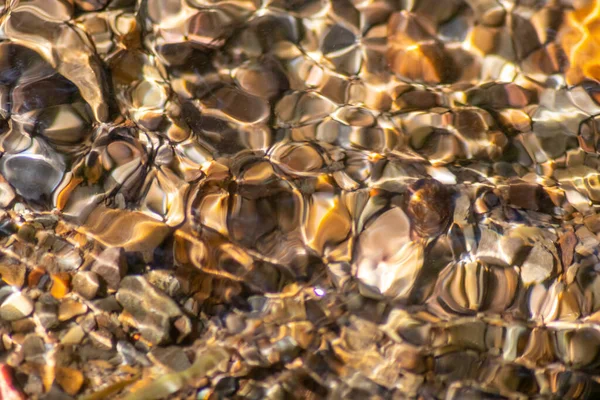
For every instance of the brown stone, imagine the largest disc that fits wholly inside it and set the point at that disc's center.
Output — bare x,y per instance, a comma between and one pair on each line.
69,379
12,272
35,276
429,207
111,266
567,243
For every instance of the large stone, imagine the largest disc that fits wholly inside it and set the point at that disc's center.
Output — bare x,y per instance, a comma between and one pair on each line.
387,261
497,249
153,311
538,265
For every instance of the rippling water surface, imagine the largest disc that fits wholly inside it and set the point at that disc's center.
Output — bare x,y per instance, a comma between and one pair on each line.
299,199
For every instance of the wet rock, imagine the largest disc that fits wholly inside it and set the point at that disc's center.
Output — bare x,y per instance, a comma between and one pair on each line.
107,304
91,5
538,266
496,249
86,284
414,54
69,309
587,241
12,272
73,336
33,174
37,277
69,379
592,222
353,199
25,325
33,349
16,306
61,285
164,280
152,310
102,338
226,386
567,243
529,196
7,194
387,260
429,207
170,357
46,310
132,356
111,266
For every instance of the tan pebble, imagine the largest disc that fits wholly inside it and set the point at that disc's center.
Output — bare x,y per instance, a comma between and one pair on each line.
13,273
69,309
69,379
73,336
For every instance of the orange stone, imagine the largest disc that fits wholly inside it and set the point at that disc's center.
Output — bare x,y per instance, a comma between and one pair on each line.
69,379
35,275
61,285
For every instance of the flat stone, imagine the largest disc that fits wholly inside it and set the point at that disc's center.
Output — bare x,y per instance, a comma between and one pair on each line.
102,338
24,325
7,194
538,265
16,306
170,357
74,336
567,243
525,195
496,249
69,309
33,348
108,304
152,309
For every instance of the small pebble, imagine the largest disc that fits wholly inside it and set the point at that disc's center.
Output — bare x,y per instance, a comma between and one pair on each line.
69,309
61,285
